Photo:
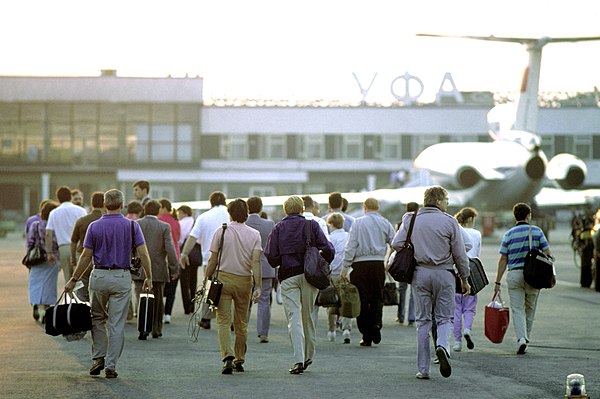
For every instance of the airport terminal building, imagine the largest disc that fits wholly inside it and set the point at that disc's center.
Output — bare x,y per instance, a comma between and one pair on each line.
96,133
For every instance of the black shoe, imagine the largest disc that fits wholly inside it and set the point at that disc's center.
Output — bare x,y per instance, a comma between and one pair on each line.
239,367
97,366
297,368
307,363
364,343
376,334
110,373
470,343
227,367
36,313
143,336
444,358
157,335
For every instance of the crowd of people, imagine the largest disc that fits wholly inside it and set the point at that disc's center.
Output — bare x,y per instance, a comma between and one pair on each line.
255,258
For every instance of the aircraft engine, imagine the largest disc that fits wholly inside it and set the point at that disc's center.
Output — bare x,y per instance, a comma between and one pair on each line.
536,167
467,177
567,170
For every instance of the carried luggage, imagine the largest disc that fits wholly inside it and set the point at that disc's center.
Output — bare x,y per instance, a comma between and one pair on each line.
403,265
317,270
477,277
390,292
145,313
68,316
496,319
328,297
539,269
349,299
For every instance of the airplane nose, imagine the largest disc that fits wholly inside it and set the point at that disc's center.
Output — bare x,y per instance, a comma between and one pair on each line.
535,168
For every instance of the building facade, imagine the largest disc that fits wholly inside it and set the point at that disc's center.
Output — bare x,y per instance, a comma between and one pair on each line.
96,133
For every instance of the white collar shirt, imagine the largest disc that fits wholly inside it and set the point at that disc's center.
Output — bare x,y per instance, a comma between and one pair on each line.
205,226
62,219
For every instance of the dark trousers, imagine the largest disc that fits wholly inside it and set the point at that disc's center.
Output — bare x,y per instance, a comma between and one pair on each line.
369,277
188,278
170,290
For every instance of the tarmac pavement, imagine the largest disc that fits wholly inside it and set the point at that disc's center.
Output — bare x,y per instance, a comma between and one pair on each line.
565,340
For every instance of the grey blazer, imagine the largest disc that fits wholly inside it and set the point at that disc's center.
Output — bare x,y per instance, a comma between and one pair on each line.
160,248
264,227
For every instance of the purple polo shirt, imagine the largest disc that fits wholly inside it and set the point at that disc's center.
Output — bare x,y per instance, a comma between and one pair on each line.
110,239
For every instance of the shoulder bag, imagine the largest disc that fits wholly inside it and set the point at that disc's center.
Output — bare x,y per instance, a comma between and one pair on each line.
316,269
36,254
539,268
136,262
211,294
404,263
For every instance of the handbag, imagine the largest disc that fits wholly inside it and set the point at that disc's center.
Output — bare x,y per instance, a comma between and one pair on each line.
349,299
211,292
136,262
477,277
496,319
317,270
36,254
390,294
328,297
539,269
69,317
403,265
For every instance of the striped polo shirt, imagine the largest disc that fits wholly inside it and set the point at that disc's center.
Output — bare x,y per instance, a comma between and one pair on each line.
515,244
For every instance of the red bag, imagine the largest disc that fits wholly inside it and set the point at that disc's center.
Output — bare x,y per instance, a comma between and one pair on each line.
496,319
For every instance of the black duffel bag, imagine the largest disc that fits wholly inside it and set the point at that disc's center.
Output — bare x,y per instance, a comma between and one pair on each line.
68,316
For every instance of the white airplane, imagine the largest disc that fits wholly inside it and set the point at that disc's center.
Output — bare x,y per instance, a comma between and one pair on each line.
497,174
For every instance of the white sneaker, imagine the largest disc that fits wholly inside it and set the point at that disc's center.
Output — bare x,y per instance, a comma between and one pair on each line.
278,295
167,318
422,376
331,335
346,335
457,347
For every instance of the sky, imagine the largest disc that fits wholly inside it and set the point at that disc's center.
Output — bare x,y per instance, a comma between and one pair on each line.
301,50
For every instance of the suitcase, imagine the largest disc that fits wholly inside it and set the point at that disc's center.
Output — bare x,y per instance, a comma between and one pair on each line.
477,277
145,313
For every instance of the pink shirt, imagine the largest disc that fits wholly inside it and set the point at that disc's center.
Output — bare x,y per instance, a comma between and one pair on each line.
175,229
238,244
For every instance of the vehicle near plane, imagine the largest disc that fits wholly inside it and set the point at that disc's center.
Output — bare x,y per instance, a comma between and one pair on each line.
491,175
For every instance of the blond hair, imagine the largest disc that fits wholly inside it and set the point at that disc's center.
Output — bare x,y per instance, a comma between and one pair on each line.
293,205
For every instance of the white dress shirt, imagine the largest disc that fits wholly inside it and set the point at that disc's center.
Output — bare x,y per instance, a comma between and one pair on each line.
62,219
205,226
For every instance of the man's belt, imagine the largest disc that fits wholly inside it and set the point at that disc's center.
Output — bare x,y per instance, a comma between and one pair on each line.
110,267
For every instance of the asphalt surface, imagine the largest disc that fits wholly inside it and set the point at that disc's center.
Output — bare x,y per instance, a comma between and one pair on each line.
565,339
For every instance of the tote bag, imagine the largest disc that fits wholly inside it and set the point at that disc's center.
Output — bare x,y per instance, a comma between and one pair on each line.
496,319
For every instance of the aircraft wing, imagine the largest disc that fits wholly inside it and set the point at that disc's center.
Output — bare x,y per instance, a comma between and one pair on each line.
552,197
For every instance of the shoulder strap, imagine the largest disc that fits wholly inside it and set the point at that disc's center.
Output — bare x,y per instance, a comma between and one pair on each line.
307,229
133,247
220,251
410,228
530,239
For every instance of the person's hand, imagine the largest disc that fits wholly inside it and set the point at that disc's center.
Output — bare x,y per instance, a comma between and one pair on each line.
174,276
148,284
256,295
343,272
184,260
51,259
70,285
466,288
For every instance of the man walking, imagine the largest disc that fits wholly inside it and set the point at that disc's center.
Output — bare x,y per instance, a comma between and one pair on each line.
365,252
60,223
204,228
438,246
264,227
165,267
336,202
107,245
513,250
78,236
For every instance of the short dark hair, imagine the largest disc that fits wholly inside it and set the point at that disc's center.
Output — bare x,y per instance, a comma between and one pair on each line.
143,184
63,193
98,199
152,207
134,206
412,207
47,207
465,214
521,210
255,204
309,203
165,203
238,210
344,204
185,209
217,198
335,200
